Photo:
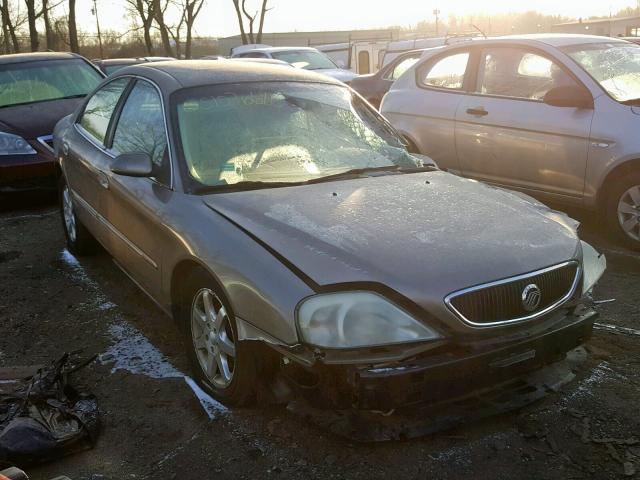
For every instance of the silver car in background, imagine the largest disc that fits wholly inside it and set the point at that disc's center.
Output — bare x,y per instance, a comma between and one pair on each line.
306,58
556,116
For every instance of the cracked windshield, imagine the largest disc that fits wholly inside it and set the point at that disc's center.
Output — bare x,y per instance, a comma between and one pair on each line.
282,132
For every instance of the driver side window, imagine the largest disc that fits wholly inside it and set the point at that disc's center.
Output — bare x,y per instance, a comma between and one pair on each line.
141,128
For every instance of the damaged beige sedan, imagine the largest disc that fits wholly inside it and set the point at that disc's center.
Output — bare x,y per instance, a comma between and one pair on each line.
281,222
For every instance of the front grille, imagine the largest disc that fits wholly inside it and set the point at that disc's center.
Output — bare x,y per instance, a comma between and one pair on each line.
502,302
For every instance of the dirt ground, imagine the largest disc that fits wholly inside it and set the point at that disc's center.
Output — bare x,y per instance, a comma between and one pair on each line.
154,425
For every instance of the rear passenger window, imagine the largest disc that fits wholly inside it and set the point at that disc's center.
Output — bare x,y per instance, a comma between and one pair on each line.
517,73
97,114
447,72
141,129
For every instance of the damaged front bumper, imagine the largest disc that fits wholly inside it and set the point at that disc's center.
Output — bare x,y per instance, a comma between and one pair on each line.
445,374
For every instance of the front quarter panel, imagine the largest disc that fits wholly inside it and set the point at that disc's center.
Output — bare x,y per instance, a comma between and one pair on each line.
614,141
261,290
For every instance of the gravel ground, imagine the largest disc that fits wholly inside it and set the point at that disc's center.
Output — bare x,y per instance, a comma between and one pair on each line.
155,425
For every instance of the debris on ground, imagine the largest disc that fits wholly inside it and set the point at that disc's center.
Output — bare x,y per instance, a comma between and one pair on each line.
42,417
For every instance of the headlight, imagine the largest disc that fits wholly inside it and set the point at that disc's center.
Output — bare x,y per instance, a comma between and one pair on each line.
593,265
14,145
357,319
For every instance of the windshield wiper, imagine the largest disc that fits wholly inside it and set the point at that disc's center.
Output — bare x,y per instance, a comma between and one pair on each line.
240,186
358,172
353,173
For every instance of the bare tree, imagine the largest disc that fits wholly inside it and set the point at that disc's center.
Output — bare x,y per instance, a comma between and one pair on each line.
158,16
8,28
144,10
191,10
73,29
32,17
236,4
50,34
243,14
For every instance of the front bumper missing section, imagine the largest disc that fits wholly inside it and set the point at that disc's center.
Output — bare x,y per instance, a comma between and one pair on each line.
436,392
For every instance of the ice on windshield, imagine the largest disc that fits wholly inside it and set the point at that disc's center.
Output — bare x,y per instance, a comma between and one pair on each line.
282,133
616,66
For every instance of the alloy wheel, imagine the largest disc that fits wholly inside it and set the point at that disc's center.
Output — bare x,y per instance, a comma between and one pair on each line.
67,212
213,338
629,212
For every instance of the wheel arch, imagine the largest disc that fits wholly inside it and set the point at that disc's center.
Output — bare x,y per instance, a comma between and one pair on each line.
615,173
177,284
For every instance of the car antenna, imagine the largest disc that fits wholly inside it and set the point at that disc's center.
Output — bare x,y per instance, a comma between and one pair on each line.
478,29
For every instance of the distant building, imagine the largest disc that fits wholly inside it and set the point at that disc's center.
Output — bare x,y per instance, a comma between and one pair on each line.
608,27
311,39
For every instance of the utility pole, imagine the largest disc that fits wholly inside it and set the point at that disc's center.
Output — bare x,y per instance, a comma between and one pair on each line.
436,12
94,11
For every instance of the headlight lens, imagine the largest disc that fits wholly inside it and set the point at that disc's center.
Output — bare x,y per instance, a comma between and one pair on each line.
358,319
593,265
14,145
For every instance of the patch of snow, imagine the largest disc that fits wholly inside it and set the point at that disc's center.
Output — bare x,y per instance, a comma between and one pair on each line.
210,406
131,350
134,353
107,306
601,373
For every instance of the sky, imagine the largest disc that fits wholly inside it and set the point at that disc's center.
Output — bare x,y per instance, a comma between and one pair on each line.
218,17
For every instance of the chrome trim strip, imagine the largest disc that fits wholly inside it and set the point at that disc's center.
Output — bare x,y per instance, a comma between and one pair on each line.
551,307
92,211
43,141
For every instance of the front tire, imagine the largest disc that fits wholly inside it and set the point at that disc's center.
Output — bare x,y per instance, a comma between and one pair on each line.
622,210
79,239
222,365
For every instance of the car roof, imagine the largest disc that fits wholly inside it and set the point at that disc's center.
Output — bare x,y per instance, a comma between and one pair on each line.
552,39
281,49
192,73
122,61
35,56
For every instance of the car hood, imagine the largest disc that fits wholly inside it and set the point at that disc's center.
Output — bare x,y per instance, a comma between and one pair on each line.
36,119
337,73
424,235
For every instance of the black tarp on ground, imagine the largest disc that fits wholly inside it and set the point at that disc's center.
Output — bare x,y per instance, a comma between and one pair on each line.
42,417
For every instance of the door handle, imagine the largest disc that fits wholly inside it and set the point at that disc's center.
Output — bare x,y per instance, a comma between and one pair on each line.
478,111
65,148
103,180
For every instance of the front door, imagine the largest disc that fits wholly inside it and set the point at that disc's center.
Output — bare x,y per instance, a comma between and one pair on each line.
506,135
134,206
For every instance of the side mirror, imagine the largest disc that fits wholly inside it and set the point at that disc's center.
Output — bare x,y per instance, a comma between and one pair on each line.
133,165
571,96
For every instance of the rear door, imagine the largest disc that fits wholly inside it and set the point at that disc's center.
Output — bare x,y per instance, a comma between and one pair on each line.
85,158
505,133
134,206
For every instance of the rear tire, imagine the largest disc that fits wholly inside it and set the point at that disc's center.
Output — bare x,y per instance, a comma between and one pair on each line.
79,239
222,365
622,210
